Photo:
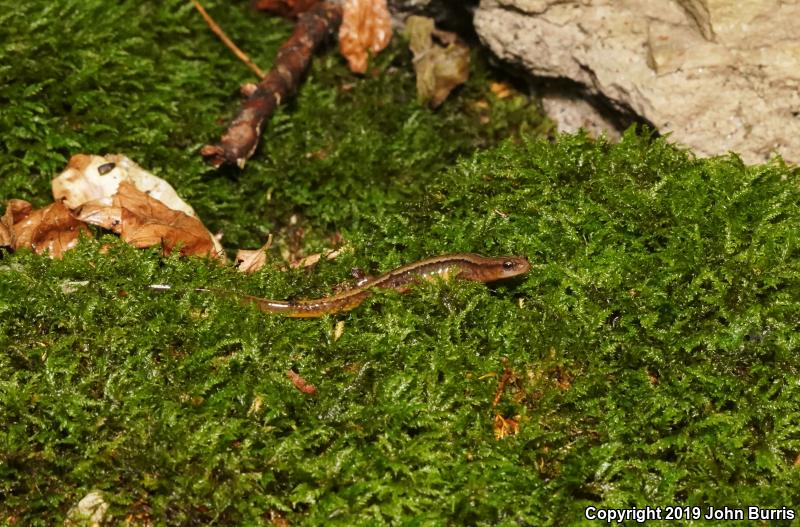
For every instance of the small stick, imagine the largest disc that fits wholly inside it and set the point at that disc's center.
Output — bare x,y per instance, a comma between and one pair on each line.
300,383
228,42
501,386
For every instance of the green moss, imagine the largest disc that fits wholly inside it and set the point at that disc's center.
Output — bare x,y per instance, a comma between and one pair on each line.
653,343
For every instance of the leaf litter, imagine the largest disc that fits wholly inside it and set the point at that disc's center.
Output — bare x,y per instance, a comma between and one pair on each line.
144,221
113,193
441,59
366,28
51,229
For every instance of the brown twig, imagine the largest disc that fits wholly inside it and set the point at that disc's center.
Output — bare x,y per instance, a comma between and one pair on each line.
241,138
501,386
300,383
284,8
227,41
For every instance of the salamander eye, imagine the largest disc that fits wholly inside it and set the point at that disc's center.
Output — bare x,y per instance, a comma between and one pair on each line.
508,265
106,168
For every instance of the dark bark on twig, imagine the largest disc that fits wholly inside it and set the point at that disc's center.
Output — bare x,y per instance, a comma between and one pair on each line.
501,386
241,138
284,8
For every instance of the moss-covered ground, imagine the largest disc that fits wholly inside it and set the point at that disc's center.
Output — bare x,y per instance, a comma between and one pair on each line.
654,343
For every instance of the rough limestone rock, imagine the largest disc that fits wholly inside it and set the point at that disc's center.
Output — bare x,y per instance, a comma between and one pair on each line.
718,75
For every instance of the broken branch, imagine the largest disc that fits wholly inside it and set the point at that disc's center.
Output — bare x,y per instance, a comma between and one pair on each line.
241,138
501,386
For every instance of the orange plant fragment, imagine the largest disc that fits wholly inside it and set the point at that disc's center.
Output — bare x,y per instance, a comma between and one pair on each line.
504,427
50,229
300,383
144,221
366,26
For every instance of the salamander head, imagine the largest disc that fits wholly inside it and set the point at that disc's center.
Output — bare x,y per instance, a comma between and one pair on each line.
513,266
483,269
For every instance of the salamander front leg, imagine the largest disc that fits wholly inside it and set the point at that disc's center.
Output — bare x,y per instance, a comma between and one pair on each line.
360,276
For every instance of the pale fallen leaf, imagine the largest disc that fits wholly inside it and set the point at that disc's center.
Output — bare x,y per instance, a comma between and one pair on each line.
366,26
50,229
93,178
70,286
338,330
144,221
306,261
439,68
250,261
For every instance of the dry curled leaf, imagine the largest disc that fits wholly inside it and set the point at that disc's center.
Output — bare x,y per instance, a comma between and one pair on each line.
7,236
90,510
50,229
439,68
250,261
144,221
284,8
366,26
91,179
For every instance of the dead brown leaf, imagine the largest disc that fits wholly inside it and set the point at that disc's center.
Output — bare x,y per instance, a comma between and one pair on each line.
439,68
250,261
50,229
91,179
7,236
366,26
284,8
144,221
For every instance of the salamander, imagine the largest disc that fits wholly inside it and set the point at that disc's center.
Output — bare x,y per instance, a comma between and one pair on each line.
464,266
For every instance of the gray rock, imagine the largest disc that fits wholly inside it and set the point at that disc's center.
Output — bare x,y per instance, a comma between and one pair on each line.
718,75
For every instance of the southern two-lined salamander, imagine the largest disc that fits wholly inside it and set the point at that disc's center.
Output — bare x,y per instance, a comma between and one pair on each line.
461,265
